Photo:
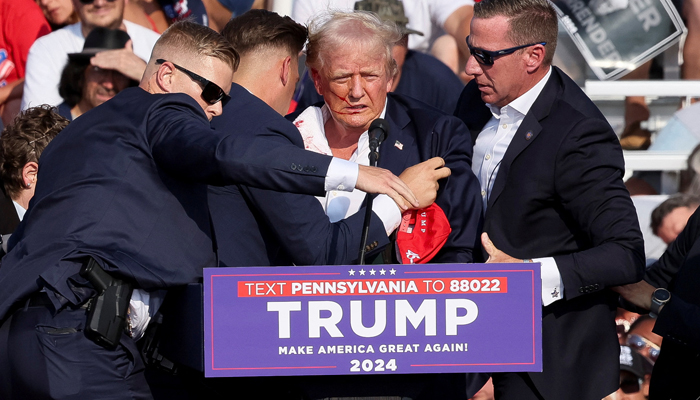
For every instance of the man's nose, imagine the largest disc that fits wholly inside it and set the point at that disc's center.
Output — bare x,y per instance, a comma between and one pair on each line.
356,89
215,110
473,67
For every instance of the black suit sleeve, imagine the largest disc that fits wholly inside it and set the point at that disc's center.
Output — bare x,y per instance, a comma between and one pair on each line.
662,272
679,320
588,180
305,232
184,145
458,195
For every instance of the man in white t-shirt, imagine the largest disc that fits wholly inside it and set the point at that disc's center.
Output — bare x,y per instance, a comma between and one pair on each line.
435,18
49,54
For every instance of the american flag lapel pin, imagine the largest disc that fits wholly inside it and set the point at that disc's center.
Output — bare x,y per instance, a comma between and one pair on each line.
398,145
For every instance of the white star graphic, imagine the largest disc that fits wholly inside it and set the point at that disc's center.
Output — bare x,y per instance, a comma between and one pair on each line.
372,271
382,271
362,272
351,272
393,271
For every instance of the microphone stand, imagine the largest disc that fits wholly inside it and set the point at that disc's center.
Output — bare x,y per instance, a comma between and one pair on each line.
373,157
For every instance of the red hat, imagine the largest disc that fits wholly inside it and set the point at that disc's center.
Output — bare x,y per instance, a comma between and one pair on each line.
422,234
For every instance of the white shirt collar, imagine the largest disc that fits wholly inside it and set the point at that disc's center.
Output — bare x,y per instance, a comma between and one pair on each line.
523,103
20,210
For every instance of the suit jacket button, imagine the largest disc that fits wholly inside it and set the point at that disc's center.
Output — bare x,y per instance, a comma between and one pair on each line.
294,167
313,169
367,248
581,290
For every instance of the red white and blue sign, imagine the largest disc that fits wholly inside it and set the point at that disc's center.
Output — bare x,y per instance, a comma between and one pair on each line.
372,319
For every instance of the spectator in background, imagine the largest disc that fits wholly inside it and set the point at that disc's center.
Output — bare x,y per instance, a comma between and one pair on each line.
643,340
635,373
58,13
157,15
671,216
49,55
21,23
420,76
444,20
84,86
21,145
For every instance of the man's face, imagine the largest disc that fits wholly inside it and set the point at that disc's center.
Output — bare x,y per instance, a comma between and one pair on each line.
503,81
674,223
209,68
102,13
101,85
354,83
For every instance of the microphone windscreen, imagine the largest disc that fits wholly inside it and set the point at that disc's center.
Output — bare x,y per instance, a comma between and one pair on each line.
381,125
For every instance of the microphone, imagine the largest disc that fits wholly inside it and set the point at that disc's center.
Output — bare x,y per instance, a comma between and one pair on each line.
378,132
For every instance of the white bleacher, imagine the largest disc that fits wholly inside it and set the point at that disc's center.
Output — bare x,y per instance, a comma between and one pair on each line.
610,95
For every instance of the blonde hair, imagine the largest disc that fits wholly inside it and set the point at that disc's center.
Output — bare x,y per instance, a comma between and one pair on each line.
337,29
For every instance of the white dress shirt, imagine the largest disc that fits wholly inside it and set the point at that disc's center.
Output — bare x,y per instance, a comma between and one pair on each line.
489,150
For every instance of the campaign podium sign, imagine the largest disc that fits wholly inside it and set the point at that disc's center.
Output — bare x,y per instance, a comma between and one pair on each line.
372,319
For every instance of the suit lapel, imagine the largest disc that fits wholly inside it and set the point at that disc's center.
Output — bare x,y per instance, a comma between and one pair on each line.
394,151
526,134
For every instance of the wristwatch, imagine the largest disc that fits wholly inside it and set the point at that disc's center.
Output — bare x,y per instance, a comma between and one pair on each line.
660,297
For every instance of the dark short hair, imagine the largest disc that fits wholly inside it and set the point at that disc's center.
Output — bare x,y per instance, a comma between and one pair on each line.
670,204
531,21
24,140
72,82
258,29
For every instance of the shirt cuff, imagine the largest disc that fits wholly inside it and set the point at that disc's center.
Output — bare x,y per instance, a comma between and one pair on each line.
387,210
341,175
552,285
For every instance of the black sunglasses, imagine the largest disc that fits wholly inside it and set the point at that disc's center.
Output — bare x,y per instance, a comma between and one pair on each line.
631,385
640,343
486,57
92,1
211,92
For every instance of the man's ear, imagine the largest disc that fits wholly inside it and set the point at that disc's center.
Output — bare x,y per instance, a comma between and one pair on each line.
285,70
164,77
316,77
29,172
535,57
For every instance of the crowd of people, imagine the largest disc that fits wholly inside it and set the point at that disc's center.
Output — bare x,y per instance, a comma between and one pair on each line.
165,147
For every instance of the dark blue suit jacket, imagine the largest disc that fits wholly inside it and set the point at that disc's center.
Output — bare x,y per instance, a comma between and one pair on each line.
418,132
559,193
126,183
256,227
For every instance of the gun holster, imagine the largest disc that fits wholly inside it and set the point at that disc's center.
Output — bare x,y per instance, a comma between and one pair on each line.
107,313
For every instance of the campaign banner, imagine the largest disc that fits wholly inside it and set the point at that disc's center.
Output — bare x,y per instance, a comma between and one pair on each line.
617,36
372,319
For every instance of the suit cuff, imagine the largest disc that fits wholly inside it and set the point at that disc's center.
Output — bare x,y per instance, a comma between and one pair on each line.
341,175
552,284
387,210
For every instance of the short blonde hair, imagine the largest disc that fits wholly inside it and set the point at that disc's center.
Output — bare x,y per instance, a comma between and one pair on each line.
337,29
192,40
